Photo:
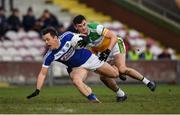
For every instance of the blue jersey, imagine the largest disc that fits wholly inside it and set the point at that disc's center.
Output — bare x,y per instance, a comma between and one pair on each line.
66,53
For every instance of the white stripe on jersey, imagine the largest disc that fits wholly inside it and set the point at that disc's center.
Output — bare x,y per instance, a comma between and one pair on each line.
63,50
64,34
47,54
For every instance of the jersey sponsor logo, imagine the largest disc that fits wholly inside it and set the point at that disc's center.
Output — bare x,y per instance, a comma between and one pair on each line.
67,45
68,54
63,51
58,55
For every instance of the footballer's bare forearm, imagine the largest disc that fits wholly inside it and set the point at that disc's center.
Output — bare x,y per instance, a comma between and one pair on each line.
113,39
40,81
41,78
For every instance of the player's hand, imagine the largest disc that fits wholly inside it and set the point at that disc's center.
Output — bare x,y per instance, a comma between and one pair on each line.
35,93
104,55
84,42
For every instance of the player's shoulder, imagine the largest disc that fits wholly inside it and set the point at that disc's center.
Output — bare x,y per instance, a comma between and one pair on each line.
66,35
95,27
48,57
48,54
92,25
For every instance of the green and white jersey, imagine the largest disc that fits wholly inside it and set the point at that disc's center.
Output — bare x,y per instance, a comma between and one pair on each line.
98,42
95,34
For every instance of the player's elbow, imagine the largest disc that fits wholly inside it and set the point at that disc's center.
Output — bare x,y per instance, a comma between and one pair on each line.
113,37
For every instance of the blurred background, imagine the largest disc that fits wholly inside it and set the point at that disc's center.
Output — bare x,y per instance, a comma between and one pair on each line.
149,28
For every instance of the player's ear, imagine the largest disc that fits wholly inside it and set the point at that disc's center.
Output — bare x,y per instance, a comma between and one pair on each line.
56,37
75,26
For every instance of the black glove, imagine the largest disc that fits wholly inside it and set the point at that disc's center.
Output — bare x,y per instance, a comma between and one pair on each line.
84,42
35,93
104,55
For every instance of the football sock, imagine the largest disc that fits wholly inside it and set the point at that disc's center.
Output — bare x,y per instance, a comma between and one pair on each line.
120,93
145,81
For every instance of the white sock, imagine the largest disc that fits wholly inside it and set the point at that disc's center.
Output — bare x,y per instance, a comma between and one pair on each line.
120,93
145,81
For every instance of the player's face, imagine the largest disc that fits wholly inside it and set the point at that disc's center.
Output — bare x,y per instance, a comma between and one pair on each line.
82,27
51,42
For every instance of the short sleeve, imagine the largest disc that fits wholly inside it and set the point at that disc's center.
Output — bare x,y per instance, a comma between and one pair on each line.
100,29
48,59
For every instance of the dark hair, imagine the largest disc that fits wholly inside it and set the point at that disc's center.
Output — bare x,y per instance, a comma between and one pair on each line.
30,9
78,19
50,30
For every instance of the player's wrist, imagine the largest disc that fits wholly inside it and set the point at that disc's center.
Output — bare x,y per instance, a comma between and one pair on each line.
107,51
38,90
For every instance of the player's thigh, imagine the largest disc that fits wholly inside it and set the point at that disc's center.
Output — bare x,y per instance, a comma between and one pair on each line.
79,74
118,53
107,70
120,59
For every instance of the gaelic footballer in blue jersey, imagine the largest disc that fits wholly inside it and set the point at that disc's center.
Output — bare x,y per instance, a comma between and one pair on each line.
63,49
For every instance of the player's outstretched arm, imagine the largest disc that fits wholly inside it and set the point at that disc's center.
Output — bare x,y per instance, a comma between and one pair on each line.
113,38
40,82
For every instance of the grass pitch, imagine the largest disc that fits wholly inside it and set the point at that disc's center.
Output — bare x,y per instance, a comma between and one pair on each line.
66,99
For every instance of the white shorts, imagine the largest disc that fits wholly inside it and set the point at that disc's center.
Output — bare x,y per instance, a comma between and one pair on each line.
118,48
92,63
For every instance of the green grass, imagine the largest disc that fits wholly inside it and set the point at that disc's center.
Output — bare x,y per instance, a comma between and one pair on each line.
66,99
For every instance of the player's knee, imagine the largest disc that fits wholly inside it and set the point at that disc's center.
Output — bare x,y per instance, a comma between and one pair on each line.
76,82
122,69
115,74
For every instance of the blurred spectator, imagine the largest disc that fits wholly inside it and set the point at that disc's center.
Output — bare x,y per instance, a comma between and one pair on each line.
14,20
61,29
146,54
3,22
164,55
132,55
126,42
38,26
49,19
29,20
